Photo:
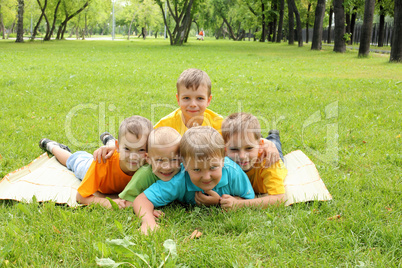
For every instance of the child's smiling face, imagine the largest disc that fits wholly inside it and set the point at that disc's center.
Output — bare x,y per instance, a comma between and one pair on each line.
132,151
193,103
205,174
165,161
243,148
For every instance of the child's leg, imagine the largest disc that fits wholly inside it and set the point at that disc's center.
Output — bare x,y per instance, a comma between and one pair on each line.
61,155
273,136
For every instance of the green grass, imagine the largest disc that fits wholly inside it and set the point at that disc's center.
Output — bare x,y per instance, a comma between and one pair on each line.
98,83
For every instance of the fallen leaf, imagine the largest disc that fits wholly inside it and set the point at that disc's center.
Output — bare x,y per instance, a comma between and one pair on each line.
195,234
1,157
364,141
334,217
388,208
398,136
56,230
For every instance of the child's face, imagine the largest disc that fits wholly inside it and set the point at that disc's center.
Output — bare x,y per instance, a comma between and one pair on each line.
205,174
193,102
132,152
165,162
243,148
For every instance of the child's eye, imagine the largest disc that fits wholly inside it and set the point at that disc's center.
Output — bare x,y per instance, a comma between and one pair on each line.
214,168
249,148
143,150
186,98
196,169
126,149
234,149
159,160
200,98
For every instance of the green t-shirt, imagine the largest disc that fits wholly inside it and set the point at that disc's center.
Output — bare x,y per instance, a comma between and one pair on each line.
141,180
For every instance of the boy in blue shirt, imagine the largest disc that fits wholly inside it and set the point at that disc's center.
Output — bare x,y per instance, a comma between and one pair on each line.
205,171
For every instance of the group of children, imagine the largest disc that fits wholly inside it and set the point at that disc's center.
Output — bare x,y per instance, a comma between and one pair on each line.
191,155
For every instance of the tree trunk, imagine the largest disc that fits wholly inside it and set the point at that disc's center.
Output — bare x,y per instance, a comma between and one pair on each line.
339,44
291,23
352,24
308,21
367,28
129,28
280,25
263,33
40,19
298,24
20,23
381,26
318,21
396,43
331,11
275,22
50,33
2,28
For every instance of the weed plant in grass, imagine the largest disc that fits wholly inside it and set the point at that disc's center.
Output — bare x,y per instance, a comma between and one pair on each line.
343,112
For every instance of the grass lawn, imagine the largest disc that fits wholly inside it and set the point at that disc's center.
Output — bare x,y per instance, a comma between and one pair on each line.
71,91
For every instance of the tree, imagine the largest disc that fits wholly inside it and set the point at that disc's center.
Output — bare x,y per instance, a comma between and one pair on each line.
42,15
49,30
280,24
318,25
367,28
308,21
339,44
181,14
298,24
67,7
228,11
20,23
291,23
396,44
331,11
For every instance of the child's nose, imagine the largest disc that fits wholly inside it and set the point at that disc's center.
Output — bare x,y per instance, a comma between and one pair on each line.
134,156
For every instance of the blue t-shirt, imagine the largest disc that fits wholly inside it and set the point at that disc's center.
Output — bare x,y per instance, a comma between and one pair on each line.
233,182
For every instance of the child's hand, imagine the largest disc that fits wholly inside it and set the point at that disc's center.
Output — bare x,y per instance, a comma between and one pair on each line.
147,227
268,152
103,153
158,213
210,198
228,202
120,202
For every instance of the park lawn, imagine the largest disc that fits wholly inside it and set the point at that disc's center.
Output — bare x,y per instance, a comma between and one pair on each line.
71,91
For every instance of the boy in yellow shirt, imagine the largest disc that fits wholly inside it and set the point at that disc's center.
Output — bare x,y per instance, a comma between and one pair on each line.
242,135
111,177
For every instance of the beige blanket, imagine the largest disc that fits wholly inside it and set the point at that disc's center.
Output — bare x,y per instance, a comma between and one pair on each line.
46,179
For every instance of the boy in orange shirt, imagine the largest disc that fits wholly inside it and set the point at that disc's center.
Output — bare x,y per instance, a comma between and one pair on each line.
111,177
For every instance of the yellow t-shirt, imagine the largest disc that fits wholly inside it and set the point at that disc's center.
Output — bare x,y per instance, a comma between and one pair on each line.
107,178
174,120
268,180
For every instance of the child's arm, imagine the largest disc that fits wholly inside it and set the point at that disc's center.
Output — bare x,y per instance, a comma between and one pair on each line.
92,200
269,152
230,202
144,209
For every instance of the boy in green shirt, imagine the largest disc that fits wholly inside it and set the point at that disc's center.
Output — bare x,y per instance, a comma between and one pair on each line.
163,163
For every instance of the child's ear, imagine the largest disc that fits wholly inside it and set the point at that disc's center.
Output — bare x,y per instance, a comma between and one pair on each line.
116,144
209,100
261,145
177,97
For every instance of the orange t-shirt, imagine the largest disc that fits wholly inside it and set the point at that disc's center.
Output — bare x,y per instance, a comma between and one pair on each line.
107,178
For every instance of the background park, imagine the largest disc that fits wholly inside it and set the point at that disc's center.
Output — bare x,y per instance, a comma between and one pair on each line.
342,110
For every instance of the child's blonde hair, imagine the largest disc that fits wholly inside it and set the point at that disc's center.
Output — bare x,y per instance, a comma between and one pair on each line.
193,78
240,123
136,125
201,143
163,137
